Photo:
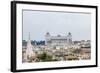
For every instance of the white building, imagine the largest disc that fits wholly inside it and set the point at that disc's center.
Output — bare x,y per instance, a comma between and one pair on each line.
58,40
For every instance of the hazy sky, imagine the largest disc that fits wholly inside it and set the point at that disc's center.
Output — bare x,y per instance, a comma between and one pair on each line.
38,23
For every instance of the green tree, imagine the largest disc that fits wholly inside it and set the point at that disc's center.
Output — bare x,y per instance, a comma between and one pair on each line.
77,51
44,57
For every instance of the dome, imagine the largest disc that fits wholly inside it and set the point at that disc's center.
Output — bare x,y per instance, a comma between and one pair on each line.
47,33
69,33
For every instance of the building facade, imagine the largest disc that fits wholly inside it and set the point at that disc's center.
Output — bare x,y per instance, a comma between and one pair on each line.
58,40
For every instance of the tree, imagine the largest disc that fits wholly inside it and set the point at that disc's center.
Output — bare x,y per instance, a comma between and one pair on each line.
77,51
44,57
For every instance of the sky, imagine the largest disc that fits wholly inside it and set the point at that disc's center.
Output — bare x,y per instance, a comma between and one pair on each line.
38,23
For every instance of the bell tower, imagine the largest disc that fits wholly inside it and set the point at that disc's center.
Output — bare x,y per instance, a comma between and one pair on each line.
69,38
29,50
47,37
